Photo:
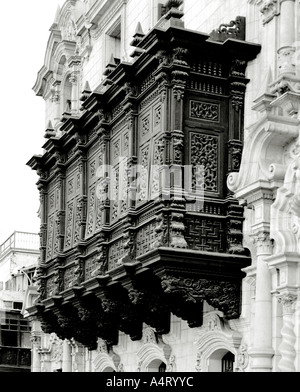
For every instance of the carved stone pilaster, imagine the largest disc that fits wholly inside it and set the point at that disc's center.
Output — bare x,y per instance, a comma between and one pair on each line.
287,346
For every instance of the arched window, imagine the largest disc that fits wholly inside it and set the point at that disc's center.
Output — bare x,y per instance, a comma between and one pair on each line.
221,361
109,370
227,363
157,366
66,96
162,368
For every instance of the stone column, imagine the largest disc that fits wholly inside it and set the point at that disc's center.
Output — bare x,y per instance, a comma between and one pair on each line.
287,346
287,37
67,358
297,333
36,346
262,351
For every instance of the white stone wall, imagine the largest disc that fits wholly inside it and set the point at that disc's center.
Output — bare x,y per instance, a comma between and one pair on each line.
182,350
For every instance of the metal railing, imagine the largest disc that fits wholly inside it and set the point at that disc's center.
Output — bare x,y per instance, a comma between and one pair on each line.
20,240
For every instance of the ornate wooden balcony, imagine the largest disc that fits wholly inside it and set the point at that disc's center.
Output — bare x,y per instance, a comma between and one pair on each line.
125,246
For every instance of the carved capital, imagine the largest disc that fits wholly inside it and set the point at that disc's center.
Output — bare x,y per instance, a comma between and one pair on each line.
263,243
286,60
36,339
287,300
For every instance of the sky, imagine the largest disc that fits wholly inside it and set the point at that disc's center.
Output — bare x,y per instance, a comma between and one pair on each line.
25,32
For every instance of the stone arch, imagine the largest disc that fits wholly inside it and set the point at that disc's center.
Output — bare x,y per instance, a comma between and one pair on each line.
153,353
104,363
215,339
66,93
211,352
150,356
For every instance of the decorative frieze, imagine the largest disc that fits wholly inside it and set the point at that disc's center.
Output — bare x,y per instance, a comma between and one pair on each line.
224,296
204,111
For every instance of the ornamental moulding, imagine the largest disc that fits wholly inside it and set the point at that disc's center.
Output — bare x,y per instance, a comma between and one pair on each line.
215,335
154,349
269,9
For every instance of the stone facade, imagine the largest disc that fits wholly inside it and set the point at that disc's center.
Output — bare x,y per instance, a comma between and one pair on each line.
155,279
